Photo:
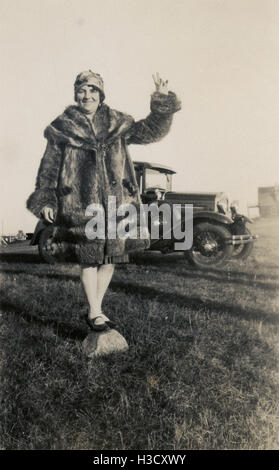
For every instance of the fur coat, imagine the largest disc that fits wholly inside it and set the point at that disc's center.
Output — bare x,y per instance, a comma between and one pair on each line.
81,166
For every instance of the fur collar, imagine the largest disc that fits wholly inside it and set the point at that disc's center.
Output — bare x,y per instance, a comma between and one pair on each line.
74,127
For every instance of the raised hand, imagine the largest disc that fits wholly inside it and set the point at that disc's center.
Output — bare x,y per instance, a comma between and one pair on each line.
161,85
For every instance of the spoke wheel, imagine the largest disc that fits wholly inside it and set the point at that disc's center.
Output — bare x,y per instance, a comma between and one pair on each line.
45,240
209,245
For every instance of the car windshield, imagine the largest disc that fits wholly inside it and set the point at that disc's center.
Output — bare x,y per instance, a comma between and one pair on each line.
157,179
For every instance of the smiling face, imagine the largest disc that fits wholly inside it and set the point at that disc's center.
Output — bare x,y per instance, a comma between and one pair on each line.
88,98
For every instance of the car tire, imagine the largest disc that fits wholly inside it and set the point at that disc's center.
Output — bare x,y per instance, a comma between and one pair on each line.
45,238
210,247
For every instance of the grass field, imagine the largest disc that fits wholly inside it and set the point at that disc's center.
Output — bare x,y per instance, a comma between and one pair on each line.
201,371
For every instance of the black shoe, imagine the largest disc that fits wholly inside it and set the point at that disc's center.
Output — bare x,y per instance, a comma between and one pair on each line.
92,325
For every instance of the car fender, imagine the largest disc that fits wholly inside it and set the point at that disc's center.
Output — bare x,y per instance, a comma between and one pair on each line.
198,217
212,216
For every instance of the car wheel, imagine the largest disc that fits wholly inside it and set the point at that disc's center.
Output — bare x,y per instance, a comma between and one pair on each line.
243,251
45,240
210,247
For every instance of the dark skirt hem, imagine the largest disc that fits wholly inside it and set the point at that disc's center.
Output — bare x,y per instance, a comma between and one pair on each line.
110,260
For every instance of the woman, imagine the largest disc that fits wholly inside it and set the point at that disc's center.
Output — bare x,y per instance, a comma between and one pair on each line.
86,161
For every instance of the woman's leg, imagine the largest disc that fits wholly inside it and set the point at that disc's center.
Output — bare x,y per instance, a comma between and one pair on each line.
95,282
90,283
104,276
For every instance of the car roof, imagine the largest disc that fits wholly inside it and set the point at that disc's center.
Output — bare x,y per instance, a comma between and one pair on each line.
155,166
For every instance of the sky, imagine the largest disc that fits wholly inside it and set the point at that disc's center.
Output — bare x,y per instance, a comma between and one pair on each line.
219,56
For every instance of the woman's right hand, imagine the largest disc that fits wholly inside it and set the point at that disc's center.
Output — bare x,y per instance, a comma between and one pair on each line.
161,85
47,214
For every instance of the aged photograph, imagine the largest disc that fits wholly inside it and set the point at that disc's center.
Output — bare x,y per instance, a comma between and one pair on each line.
139,265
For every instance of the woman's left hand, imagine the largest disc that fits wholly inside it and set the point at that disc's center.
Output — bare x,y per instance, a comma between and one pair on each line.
161,85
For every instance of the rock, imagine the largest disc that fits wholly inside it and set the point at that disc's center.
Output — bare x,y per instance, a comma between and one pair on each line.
104,343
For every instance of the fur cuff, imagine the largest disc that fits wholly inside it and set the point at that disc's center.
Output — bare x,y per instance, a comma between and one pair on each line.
165,104
41,198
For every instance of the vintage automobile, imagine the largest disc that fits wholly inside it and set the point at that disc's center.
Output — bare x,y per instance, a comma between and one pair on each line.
219,232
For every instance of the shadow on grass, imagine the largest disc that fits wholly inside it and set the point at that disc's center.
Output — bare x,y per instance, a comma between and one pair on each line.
184,301
228,277
194,303
30,258
177,260
61,277
63,330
